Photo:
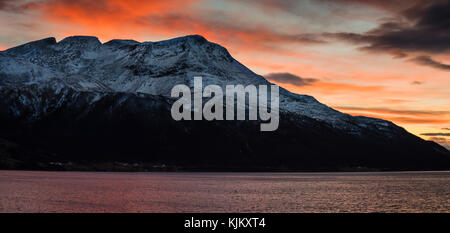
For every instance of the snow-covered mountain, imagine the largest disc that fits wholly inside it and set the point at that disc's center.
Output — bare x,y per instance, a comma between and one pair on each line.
77,74
83,63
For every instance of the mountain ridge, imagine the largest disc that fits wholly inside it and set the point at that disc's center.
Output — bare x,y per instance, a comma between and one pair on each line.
46,79
192,40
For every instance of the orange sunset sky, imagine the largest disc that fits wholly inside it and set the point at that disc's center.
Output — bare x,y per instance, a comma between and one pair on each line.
379,58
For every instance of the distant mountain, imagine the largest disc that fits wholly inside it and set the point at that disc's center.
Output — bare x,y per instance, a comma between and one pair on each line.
81,104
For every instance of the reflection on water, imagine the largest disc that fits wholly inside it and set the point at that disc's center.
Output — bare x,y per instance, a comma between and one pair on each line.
26,191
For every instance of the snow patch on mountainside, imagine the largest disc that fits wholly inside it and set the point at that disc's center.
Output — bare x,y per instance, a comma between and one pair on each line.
84,64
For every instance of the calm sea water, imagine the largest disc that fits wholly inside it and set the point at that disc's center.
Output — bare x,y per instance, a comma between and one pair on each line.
29,191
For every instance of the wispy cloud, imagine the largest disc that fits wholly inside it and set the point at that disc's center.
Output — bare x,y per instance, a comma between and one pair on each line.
400,116
394,111
442,141
437,134
428,61
417,83
288,78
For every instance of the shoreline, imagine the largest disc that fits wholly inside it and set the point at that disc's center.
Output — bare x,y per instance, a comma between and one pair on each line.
228,172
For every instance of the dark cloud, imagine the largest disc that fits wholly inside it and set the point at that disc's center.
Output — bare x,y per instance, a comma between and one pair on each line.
295,6
446,128
389,5
417,83
17,6
419,27
5,4
429,34
428,61
422,28
289,79
437,134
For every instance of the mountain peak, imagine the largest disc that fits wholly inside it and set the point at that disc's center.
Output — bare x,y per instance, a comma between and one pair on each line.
32,45
194,39
83,41
119,42
80,39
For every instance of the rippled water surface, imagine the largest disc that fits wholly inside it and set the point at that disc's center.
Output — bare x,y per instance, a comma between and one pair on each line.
30,191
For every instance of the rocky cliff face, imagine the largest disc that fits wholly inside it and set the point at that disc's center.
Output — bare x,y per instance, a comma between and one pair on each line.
81,100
